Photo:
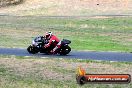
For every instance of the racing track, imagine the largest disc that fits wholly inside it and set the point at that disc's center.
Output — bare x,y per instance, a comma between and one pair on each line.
109,56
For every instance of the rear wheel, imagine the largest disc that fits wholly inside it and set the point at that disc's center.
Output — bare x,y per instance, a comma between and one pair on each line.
65,50
32,50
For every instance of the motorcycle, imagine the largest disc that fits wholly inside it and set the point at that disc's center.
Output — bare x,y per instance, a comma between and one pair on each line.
38,43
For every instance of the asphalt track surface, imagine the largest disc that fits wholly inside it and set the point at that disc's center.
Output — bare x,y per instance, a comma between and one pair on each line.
91,55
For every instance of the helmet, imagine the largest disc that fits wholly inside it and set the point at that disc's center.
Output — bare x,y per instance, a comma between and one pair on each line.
48,34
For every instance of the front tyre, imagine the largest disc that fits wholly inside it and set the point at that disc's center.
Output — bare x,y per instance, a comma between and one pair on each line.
65,50
32,50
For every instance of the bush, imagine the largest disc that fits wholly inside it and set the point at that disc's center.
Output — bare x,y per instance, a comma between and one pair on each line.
9,2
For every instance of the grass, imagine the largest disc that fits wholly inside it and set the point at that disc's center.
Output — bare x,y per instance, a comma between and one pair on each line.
96,34
102,34
34,72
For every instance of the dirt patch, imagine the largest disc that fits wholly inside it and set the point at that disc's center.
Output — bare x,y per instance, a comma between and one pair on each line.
101,17
70,7
60,69
36,68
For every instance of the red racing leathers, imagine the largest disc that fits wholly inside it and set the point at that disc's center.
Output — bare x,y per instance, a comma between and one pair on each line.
52,38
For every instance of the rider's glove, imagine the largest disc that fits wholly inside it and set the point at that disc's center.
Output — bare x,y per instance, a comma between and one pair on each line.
46,45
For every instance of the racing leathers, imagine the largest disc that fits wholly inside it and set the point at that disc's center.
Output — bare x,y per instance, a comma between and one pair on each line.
53,39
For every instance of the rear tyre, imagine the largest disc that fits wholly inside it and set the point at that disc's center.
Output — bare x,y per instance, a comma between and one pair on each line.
65,50
32,50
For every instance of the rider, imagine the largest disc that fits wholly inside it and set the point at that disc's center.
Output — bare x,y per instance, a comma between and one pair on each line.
51,38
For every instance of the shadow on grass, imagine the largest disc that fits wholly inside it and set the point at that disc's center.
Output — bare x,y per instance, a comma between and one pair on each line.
5,3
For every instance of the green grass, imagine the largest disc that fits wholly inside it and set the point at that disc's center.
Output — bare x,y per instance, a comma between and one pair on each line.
34,72
105,34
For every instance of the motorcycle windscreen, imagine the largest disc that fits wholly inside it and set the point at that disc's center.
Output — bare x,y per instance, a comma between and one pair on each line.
38,39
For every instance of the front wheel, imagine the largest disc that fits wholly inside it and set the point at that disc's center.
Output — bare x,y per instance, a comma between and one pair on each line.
32,50
65,50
